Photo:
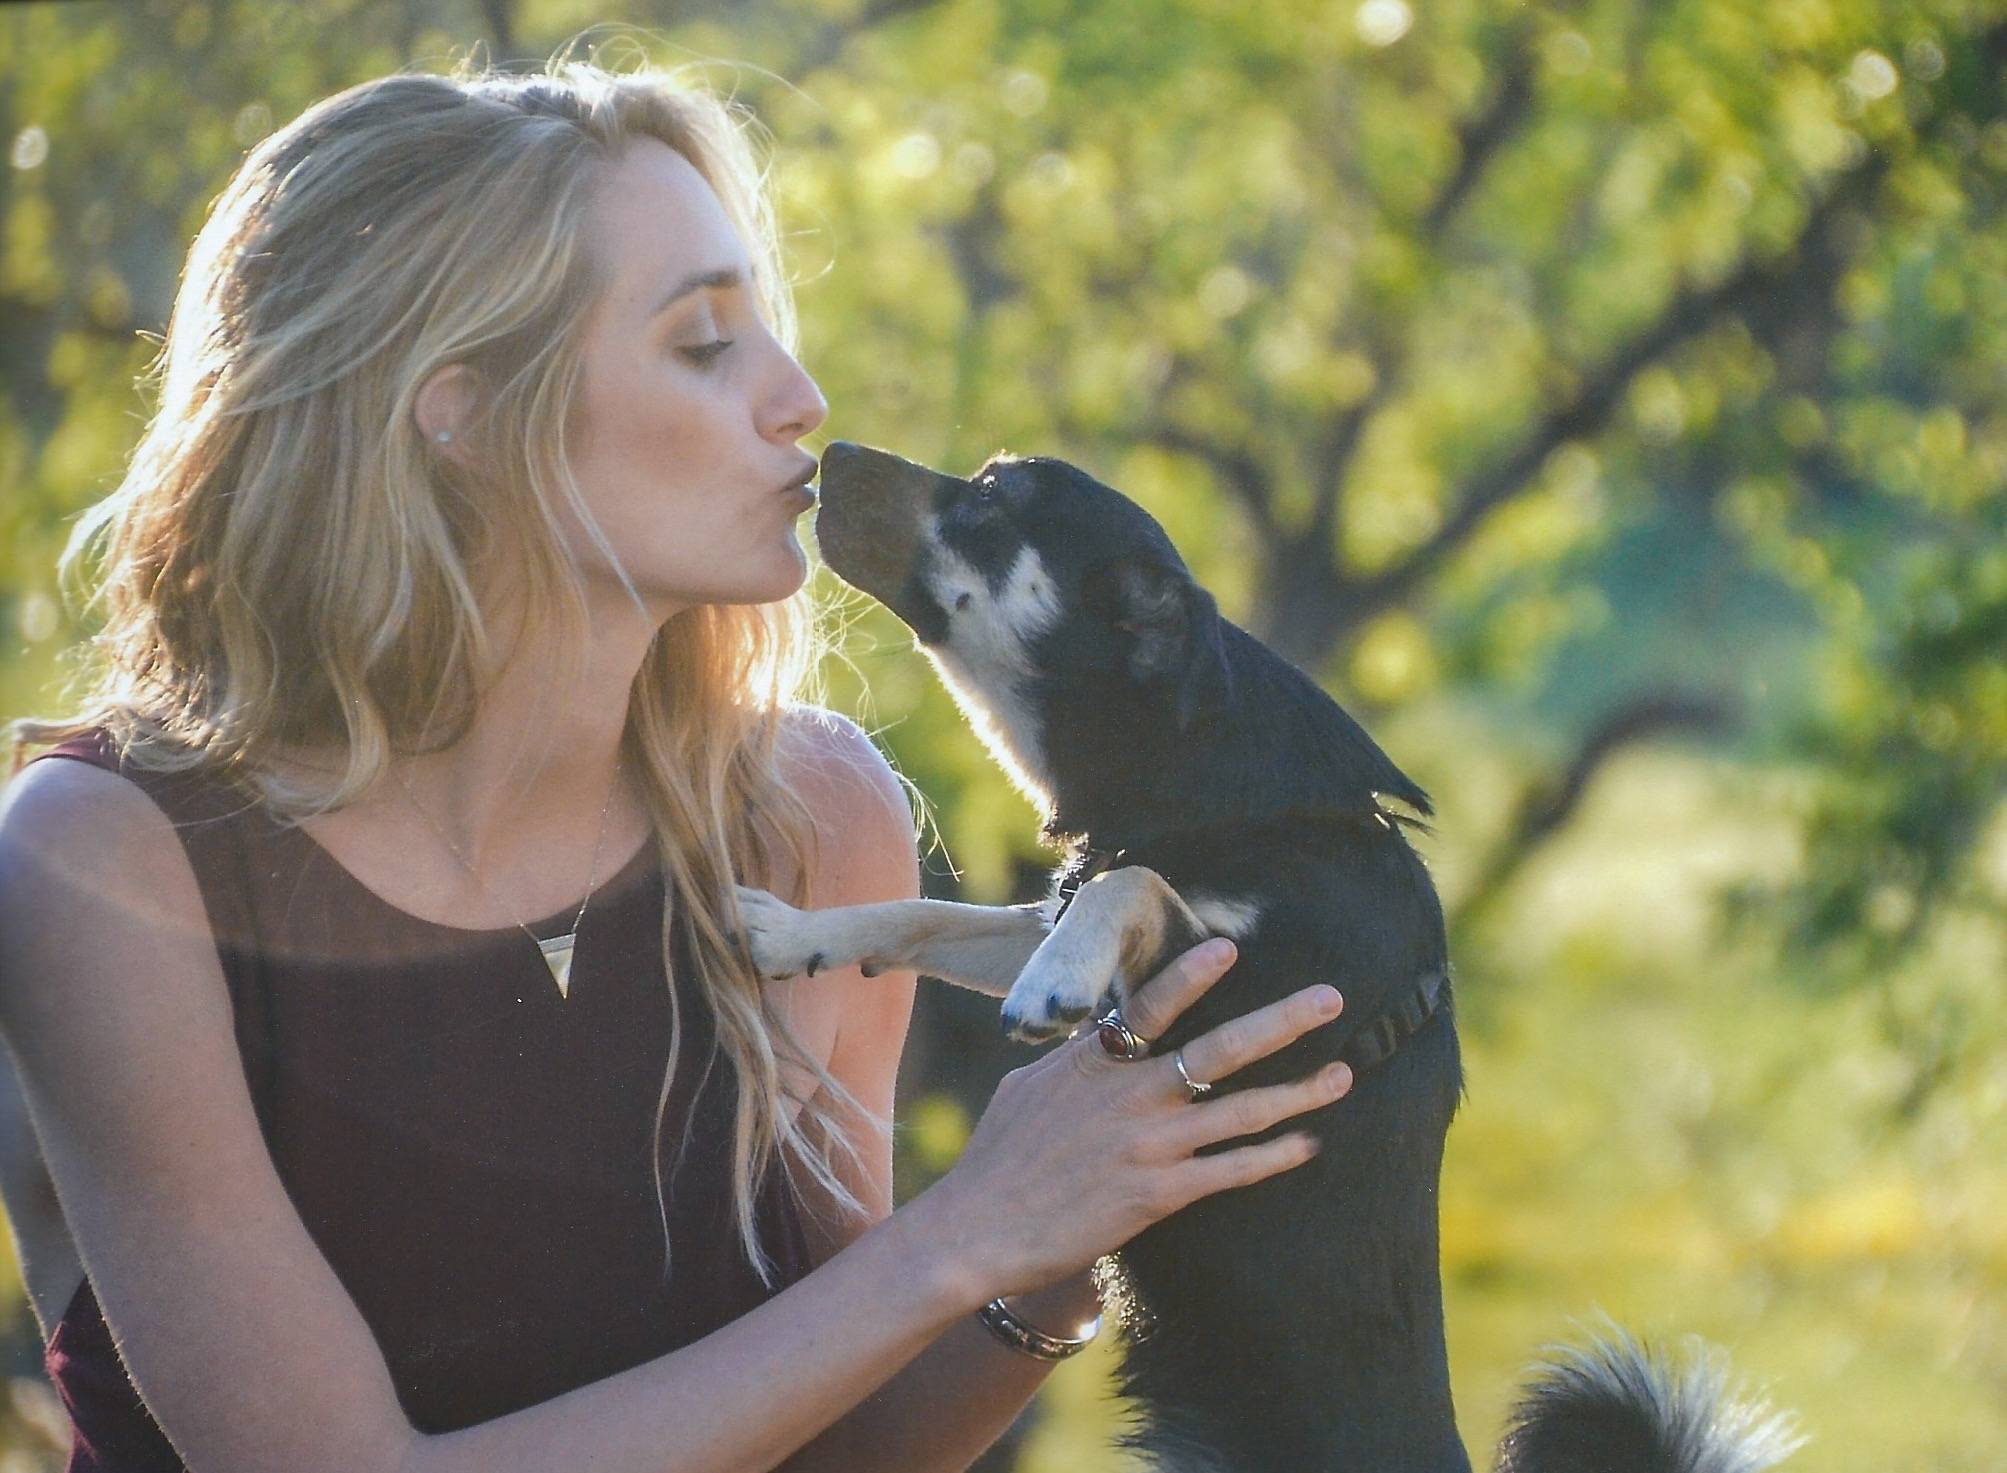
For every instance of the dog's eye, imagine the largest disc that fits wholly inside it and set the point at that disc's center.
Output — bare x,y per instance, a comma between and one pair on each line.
981,503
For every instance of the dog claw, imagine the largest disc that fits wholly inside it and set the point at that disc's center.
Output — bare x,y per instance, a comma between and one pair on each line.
1024,1030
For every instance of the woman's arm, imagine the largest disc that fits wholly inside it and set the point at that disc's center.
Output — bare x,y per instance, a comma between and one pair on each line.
244,1344
250,1353
953,1401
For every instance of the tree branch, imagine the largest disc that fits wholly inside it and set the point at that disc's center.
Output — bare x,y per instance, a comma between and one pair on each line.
1244,476
1303,560
827,41
1546,806
1769,296
1764,294
1480,140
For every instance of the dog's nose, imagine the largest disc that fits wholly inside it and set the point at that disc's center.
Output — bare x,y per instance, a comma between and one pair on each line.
837,452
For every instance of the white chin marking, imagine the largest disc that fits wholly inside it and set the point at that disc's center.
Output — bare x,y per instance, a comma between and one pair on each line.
984,661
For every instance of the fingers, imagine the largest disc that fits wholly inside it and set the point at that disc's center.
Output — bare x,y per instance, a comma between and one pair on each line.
1254,1110
1234,1045
1203,1175
1159,1002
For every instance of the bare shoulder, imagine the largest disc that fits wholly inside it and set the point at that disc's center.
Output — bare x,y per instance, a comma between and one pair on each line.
77,840
835,758
98,906
85,856
864,818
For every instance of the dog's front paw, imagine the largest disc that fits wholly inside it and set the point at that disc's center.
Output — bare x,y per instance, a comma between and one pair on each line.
1056,991
782,939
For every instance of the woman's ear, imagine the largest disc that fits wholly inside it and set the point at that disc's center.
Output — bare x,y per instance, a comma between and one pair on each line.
444,408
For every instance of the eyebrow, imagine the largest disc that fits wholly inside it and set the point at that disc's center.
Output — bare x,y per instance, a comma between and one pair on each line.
721,276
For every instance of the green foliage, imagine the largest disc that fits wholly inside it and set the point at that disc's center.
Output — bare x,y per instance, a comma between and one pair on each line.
1909,741
1532,374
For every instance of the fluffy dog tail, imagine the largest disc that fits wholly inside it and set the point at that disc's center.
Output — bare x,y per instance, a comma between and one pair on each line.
1623,1407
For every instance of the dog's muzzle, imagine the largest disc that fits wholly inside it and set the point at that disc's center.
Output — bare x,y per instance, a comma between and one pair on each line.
874,507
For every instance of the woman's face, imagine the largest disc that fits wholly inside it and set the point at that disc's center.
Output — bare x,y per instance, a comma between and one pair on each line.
689,409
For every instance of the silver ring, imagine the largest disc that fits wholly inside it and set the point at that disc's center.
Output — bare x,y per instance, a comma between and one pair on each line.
1117,1039
1193,1088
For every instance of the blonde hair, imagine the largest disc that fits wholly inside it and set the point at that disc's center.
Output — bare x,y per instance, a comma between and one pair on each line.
286,566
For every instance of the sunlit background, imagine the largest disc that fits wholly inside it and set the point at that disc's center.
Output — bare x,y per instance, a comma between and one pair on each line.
1607,402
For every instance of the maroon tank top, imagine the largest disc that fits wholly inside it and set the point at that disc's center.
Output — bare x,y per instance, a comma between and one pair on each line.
468,1150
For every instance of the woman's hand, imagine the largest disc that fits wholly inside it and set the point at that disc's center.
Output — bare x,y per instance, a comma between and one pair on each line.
1079,1151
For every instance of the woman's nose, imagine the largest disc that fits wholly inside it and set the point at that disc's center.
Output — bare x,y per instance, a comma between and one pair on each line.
797,404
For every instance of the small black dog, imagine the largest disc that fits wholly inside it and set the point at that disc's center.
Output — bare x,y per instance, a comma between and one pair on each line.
1201,786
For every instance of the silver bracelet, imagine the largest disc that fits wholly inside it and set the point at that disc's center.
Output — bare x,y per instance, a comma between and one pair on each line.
1028,1339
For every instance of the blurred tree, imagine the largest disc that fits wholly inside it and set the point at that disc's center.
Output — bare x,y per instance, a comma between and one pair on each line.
1613,367
1403,320
1400,320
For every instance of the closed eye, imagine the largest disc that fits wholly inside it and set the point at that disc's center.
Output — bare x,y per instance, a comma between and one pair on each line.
703,354
983,507
988,494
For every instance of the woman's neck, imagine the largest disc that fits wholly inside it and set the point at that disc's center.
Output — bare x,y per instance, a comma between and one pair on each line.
541,758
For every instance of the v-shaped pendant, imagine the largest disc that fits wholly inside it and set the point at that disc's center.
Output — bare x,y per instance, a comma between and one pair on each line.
557,956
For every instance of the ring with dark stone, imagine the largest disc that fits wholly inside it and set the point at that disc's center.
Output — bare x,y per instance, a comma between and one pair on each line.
1118,1040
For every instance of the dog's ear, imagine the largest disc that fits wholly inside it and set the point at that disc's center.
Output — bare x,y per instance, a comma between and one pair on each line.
1172,628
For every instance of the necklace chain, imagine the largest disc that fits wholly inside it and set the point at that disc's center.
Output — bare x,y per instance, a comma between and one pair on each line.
557,951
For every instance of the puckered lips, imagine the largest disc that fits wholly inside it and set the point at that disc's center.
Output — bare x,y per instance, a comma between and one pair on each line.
800,486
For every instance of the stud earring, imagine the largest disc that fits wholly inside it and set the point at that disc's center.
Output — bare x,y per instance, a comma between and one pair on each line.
443,436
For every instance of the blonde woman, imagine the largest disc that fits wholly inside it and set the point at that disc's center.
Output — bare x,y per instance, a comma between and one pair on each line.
369,968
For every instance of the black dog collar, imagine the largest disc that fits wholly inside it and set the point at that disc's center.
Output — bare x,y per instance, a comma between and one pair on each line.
1091,863
1375,1043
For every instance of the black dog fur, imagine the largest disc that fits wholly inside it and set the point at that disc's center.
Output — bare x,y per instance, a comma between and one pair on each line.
1295,1326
